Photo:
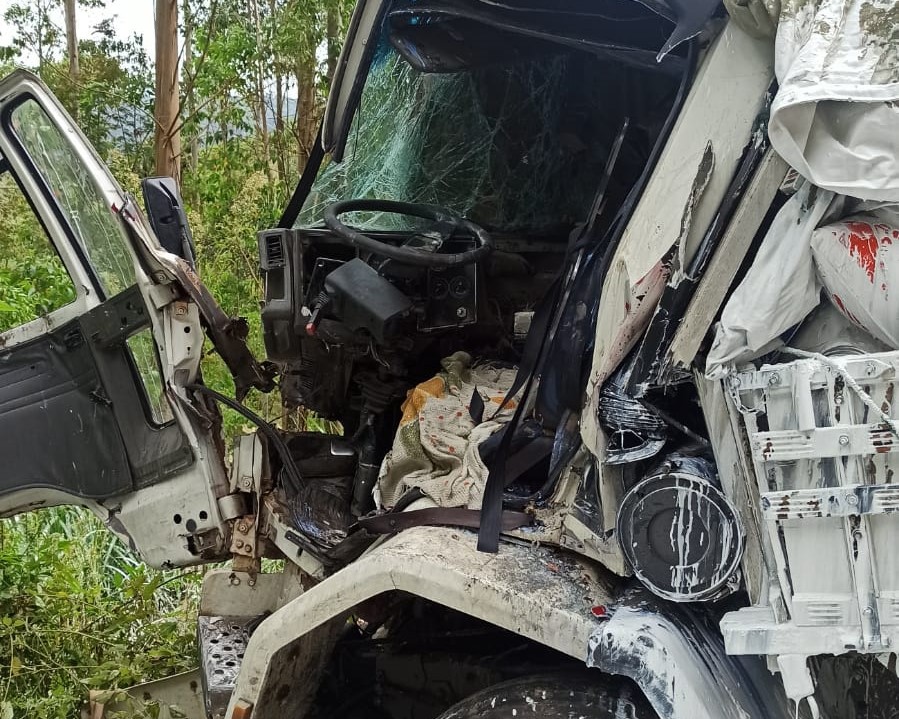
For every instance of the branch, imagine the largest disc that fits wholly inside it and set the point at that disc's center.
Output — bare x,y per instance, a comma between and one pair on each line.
176,127
80,86
192,76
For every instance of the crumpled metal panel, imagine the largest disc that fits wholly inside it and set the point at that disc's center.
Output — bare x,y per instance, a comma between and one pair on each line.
635,432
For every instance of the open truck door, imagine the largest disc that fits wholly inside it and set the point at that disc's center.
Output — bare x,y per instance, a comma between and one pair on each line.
95,361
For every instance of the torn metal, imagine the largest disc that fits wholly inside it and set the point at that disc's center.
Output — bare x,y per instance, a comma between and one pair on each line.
652,365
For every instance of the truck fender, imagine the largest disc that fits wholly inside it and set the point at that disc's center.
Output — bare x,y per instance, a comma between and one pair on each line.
543,593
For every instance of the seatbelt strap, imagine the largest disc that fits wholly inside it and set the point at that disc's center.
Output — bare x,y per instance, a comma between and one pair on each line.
476,407
304,186
448,516
540,337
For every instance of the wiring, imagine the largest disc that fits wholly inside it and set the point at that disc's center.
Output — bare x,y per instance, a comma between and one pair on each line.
291,471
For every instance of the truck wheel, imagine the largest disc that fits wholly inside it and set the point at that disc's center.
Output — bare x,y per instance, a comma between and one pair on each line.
556,696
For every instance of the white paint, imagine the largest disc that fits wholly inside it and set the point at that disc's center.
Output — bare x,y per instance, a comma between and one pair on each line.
692,504
850,518
680,679
725,263
835,118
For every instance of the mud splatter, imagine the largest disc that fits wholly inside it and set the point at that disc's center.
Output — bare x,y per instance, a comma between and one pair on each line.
880,23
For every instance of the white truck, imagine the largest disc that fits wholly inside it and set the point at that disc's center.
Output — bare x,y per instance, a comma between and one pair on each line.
606,450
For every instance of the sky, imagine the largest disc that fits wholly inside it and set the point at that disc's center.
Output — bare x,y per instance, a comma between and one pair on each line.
129,17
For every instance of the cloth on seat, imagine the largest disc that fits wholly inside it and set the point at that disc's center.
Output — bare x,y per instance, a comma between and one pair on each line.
436,445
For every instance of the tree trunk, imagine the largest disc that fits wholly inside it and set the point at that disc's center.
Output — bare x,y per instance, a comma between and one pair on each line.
188,67
262,121
279,102
168,136
333,39
41,25
306,125
71,41
280,149
277,69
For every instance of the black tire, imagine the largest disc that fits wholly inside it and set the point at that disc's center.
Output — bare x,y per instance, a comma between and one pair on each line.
589,695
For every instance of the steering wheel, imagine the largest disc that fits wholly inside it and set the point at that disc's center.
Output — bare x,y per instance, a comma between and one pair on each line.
421,250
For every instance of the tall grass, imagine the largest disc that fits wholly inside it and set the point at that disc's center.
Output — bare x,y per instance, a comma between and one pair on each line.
79,611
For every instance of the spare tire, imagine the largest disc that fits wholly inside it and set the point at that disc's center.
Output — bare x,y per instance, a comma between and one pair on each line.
589,695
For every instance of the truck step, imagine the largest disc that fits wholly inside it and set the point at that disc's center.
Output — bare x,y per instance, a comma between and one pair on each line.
222,643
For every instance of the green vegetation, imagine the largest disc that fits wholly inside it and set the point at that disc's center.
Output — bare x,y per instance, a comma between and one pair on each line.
77,610
33,279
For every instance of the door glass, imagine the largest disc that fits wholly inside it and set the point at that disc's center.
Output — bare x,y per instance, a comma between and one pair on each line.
33,279
96,227
143,350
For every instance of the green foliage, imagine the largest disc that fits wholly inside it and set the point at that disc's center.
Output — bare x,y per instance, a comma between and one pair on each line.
33,280
35,29
78,611
225,235
32,290
112,94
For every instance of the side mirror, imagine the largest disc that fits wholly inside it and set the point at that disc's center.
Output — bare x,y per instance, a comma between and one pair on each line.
165,210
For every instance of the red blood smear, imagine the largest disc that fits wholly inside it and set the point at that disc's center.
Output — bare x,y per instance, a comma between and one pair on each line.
836,298
863,242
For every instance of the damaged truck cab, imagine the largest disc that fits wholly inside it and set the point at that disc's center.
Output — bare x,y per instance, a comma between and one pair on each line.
613,419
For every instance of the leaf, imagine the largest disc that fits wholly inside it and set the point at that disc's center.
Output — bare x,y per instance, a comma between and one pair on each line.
15,666
105,697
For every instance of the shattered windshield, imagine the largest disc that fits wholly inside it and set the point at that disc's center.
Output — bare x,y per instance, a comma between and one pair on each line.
517,147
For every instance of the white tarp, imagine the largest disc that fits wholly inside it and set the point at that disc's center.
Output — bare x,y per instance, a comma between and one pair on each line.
835,117
818,239
780,288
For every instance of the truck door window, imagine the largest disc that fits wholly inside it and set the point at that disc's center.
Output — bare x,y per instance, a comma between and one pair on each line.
146,361
96,228
33,279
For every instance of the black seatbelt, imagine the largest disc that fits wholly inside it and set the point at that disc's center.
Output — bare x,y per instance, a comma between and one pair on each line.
476,407
540,337
304,186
